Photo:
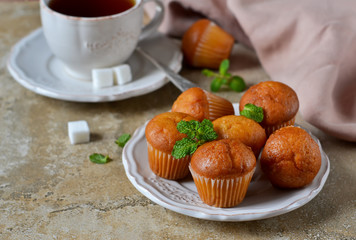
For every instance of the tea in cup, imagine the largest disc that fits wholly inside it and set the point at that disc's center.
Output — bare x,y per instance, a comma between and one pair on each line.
88,34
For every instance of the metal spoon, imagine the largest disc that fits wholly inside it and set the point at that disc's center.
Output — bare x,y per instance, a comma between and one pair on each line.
180,82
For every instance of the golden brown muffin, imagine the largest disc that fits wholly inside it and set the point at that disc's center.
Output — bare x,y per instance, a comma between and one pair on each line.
202,104
279,102
161,134
222,171
205,44
242,128
290,158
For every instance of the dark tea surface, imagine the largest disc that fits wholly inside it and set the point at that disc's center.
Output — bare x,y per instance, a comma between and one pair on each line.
90,8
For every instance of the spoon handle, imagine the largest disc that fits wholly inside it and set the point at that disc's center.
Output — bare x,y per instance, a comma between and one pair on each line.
180,82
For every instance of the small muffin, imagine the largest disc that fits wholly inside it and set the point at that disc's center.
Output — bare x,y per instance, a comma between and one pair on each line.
161,134
279,102
222,171
242,128
290,158
205,44
202,104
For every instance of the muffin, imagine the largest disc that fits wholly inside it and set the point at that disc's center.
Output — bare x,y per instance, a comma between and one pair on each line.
222,171
161,134
290,158
279,102
205,44
242,128
202,104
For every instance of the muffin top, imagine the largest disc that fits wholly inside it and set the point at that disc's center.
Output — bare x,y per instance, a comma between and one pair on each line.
194,102
223,159
291,158
246,130
279,101
161,132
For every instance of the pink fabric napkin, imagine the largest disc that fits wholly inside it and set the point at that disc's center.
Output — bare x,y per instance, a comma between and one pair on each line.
308,44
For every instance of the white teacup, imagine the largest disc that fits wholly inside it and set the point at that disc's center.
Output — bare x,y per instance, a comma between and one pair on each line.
84,43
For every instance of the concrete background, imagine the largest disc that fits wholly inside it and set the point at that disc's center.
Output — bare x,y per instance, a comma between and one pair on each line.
50,190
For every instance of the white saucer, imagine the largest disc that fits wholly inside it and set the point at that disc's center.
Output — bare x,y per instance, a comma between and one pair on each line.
262,199
33,65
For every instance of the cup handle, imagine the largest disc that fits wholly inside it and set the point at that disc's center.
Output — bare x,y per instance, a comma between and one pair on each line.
152,26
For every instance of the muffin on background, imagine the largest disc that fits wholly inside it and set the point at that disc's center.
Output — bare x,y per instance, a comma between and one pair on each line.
290,158
222,171
242,128
205,44
279,102
202,104
161,134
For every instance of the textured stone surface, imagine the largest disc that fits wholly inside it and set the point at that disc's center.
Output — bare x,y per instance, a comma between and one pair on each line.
50,190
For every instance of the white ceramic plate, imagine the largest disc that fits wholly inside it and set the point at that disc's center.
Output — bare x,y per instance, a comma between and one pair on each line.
33,65
262,199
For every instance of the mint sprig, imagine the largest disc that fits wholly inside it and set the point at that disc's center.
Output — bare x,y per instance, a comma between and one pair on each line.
197,133
123,139
99,158
253,112
184,147
222,78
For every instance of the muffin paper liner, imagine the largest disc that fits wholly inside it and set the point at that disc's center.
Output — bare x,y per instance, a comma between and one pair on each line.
226,192
270,129
165,165
212,50
218,106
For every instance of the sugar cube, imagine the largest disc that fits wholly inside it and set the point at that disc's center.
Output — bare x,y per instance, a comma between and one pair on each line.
78,132
102,77
122,74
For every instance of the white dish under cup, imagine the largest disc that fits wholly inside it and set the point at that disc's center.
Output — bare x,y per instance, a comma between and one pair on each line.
33,65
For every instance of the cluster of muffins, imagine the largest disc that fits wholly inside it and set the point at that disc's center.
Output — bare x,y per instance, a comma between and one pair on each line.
222,169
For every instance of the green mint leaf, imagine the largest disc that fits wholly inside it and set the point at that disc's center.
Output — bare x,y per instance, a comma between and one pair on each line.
207,123
123,139
208,73
197,134
237,84
253,112
184,147
206,131
224,66
184,127
99,158
209,135
228,75
188,127
216,84
194,125
224,81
